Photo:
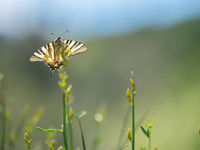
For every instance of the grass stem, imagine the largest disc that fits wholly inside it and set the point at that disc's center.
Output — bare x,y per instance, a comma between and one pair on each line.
82,136
69,127
133,110
133,122
64,123
150,143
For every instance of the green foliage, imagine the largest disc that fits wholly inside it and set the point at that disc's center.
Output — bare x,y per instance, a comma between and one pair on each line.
67,124
63,85
147,131
131,99
155,50
48,130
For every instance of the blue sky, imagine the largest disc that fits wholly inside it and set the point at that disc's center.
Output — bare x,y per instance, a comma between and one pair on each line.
92,17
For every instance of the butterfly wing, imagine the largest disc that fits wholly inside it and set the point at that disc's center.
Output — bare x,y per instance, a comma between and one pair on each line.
39,54
75,47
50,54
45,53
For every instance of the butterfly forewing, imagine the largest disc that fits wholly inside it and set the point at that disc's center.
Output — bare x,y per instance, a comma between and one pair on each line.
39,54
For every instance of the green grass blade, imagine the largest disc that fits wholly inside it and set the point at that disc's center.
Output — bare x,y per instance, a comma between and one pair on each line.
146,132
82,136
48,130
64,124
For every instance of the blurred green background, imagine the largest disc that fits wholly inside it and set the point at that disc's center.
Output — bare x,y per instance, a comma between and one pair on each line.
164,58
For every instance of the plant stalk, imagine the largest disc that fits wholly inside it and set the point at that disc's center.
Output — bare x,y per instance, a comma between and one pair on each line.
133,122
150,142
64,123
82,136
69,127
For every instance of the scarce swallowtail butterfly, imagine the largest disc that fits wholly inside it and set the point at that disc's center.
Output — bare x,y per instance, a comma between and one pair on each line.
51,54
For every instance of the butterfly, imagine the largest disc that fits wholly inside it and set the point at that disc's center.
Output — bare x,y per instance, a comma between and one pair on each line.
51,54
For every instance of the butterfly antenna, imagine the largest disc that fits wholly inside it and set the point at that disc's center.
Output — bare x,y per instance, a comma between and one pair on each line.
64,32
55,34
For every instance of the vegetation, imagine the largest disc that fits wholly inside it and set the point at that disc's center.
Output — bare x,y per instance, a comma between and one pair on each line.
66,127
166,68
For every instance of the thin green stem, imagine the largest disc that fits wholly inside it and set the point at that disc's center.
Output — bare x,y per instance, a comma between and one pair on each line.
64,123
82,136
133,122
133,110
150,142
70,127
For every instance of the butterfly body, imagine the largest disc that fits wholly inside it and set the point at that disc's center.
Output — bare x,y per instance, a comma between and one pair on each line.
51,54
